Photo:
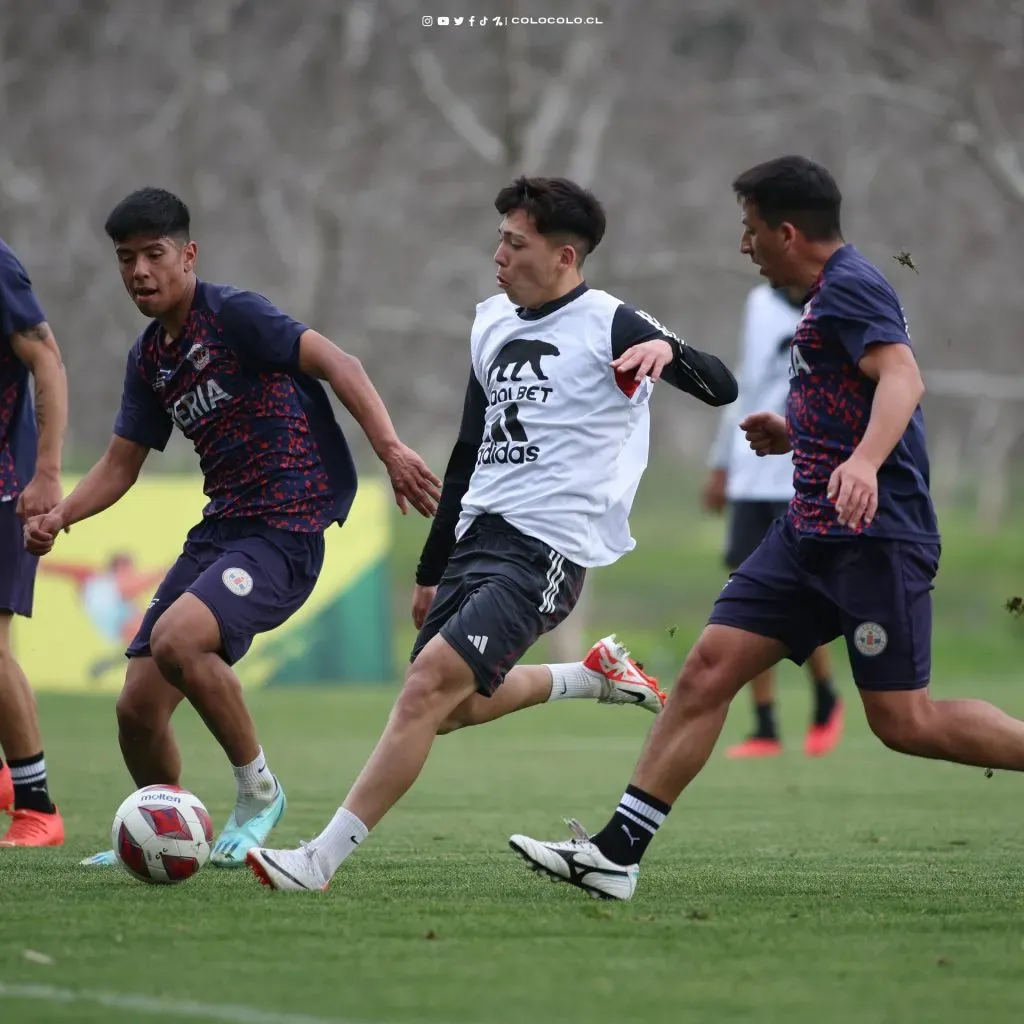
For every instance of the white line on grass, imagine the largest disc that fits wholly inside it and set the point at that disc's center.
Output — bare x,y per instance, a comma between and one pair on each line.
164,1007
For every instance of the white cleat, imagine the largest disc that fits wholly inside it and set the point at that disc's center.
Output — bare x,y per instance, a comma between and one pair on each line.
579,862
625,680
288,870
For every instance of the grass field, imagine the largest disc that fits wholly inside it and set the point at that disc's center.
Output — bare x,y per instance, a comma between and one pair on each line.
865,887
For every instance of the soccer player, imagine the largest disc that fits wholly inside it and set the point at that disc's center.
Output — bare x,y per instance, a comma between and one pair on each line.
239,378
30,450
855,556
757,492
539,486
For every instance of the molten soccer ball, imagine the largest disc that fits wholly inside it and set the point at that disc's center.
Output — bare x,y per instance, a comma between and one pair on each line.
162,834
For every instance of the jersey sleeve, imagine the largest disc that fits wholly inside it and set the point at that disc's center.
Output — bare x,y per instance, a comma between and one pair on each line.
862,313
19,308
261,333
697,373
441,539
141,418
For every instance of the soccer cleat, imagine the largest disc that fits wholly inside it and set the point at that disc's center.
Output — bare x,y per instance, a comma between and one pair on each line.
625,680
33,828
755,746
6,788
237,840
103,859
579,862
823,739
288,870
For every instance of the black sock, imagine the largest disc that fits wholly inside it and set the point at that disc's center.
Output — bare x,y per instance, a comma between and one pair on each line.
626,837
30,792
766,728
824,700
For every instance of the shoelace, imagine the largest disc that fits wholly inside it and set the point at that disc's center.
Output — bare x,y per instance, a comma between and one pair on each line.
579,833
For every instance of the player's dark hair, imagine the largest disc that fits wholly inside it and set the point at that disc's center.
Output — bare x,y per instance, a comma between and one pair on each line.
557,206
796,190
149,212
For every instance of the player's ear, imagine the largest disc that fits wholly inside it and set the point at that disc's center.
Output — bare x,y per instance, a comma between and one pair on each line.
789,233
189,252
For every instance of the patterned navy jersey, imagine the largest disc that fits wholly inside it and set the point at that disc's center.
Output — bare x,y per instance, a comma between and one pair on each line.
269,446
19,311
850,307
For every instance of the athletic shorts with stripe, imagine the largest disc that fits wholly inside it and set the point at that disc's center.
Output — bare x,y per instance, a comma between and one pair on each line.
501,591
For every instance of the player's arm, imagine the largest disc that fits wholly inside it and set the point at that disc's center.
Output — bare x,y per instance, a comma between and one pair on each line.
410,476
107,482
897,395
441,539
37,348
641,346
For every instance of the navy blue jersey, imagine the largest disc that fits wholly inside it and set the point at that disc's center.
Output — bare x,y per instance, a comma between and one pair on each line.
19,311
850,307
269,446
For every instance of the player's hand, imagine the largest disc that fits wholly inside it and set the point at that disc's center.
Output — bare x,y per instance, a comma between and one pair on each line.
42,493
766,432
41,531
712,498
647,359
422,599
853,488
413,482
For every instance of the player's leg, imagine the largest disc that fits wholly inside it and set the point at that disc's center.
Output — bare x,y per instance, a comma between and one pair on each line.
144,709
503,603
888,624
827,719
766,612
23,781
748,523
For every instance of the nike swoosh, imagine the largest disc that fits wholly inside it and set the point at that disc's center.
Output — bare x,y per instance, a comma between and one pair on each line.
355,842
638,698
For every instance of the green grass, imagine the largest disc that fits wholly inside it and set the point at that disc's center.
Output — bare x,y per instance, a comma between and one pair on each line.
863,887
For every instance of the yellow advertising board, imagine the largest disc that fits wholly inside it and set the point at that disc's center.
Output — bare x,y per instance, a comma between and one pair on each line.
93,588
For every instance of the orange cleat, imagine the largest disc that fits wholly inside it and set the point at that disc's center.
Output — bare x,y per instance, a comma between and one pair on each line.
823,739
32,828
625,681
6,789
756,746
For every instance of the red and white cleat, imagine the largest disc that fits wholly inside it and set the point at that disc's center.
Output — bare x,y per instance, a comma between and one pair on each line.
626,682
755,746
32,828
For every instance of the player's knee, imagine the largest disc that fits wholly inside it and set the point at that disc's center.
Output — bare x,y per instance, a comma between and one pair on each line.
137,716
703,681
904,728
172,651
423,696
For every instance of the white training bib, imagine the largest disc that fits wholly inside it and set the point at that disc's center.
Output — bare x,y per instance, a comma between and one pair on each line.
564,446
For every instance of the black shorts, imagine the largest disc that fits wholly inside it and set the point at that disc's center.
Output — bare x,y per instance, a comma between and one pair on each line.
502,590
748,523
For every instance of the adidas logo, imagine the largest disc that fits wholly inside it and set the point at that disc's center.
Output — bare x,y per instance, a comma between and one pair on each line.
479,642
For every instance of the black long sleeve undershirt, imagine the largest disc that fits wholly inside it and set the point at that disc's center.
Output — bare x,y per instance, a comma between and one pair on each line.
441,540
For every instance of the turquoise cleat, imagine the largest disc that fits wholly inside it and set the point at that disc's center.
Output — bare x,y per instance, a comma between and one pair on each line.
104,859
237,840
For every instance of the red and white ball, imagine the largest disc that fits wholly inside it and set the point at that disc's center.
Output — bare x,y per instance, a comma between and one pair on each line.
162,834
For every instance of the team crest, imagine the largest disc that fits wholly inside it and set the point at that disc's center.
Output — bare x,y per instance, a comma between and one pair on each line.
199,356
238,581
870,639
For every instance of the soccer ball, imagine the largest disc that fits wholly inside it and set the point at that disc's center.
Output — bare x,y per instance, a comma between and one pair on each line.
162,834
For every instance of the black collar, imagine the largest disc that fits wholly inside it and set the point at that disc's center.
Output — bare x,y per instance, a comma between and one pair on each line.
549,307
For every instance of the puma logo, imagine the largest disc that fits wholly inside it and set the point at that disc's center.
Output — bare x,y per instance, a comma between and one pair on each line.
629,835
516,354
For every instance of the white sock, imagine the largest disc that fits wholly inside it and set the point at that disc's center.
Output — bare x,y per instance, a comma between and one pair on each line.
256,788
574,679
344,833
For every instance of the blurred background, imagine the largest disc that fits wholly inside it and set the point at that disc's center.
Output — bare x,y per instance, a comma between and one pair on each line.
342,158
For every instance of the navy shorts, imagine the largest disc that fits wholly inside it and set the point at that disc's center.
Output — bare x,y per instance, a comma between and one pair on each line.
251,576
501,591
17,566
806,591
